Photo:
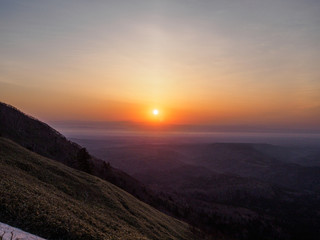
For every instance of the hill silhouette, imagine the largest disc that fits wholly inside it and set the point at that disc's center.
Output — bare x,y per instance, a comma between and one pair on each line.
46,141
54,201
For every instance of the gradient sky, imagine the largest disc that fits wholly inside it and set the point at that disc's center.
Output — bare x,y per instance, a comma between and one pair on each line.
197,61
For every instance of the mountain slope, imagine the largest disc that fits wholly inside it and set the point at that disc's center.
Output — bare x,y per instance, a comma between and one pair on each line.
54,201
46,141
36,135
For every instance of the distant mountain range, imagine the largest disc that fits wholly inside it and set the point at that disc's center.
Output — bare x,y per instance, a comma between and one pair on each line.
247,190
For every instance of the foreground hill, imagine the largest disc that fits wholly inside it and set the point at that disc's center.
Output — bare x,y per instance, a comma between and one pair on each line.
54,201
46,141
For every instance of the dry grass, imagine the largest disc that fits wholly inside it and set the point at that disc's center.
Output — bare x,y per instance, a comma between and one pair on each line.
54,201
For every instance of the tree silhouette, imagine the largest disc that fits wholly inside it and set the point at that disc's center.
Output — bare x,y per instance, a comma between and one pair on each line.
83,158
106,166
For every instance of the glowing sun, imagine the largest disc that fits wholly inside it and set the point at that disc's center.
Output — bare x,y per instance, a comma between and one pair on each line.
155,111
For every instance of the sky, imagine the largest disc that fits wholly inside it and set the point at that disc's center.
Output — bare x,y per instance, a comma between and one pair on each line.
196,61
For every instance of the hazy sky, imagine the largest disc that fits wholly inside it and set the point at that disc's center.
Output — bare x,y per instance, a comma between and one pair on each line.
197,61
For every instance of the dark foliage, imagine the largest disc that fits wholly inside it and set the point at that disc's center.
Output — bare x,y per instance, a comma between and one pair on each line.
84,163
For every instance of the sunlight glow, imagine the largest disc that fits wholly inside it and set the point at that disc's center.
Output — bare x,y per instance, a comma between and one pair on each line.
155,111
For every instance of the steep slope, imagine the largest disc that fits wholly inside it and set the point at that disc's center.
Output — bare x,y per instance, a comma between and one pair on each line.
46,141
36,136
49,199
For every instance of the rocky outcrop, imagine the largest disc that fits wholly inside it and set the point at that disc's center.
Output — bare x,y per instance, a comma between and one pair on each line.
10,233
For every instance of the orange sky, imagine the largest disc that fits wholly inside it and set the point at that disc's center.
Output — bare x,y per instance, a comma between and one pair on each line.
210,62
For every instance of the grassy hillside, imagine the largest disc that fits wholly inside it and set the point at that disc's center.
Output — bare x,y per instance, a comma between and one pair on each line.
46,141
54,201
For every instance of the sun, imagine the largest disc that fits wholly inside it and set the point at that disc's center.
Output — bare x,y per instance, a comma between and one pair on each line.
155,111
